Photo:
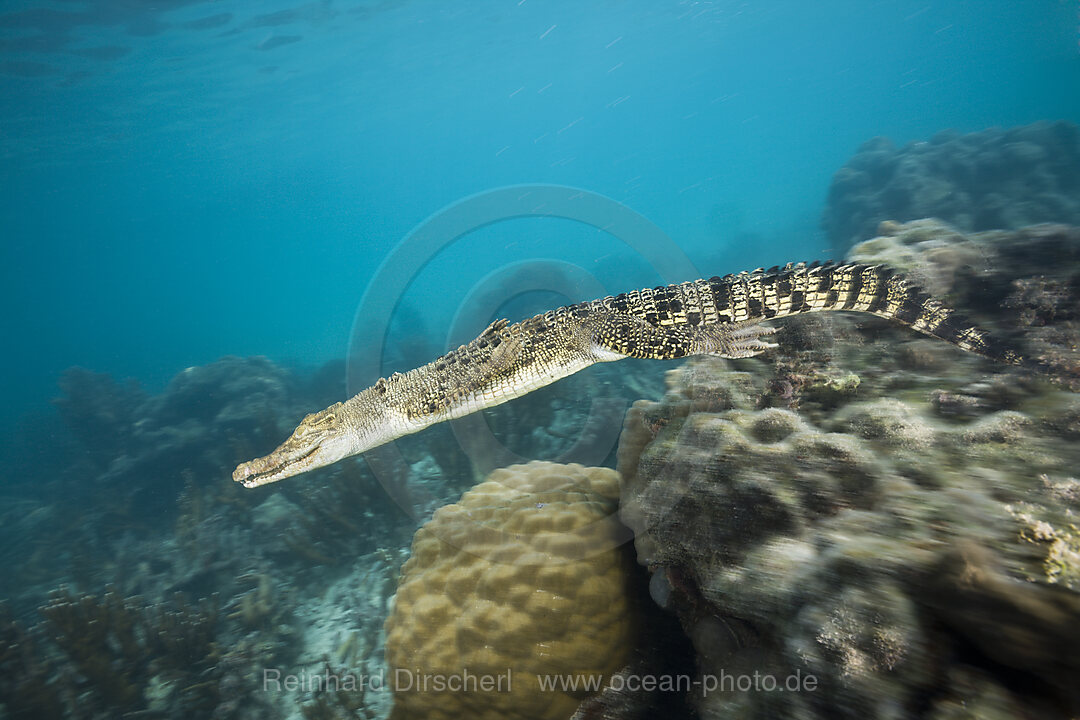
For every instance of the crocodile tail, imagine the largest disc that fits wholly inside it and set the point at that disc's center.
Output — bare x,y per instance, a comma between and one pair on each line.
875,289
911,306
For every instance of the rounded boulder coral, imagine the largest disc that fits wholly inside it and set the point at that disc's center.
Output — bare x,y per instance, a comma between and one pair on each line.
527,577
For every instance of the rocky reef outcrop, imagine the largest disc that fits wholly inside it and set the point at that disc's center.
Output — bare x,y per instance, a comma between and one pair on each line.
1023,284
871,523
147,444
994,179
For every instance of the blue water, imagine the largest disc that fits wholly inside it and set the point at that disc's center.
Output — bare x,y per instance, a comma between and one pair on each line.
184,180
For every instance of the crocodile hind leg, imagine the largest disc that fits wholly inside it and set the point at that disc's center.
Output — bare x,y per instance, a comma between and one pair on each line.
616,336
733,341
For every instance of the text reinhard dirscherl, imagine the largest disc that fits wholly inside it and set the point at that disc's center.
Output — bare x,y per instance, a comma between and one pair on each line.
406,680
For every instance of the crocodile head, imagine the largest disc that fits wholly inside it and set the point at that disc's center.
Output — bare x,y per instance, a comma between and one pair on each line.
321,438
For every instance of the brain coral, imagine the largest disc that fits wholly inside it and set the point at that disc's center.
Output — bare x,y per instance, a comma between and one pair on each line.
528,575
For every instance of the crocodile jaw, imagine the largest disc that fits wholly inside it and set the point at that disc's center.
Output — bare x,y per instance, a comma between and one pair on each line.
292,458
321,438
341,430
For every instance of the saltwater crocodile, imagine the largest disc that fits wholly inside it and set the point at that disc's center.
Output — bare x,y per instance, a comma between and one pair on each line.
719,316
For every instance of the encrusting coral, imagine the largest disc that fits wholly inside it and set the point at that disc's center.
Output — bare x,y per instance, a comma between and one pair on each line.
911,544
528,575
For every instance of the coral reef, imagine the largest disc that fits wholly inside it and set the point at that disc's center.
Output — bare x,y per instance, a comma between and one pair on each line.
130,655
339,703
994,179
1024,284
206,417
145,509
99,411
525,575
341,515
146,464
883,515
117,656
135,513
28,685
